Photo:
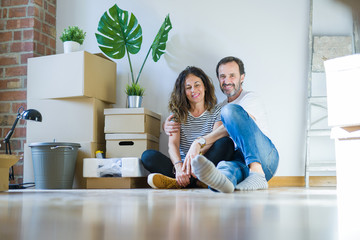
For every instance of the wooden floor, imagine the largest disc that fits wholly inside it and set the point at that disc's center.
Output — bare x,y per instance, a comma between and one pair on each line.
277,213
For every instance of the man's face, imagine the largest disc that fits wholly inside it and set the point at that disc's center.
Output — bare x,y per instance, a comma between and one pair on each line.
230,79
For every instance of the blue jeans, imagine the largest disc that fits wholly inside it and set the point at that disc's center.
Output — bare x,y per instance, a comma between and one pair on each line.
252,144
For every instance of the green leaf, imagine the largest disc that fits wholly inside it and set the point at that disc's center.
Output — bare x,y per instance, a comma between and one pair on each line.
159,44
120,32
134,90
73,33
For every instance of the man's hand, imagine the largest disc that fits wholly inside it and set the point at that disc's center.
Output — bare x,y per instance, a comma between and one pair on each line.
171,126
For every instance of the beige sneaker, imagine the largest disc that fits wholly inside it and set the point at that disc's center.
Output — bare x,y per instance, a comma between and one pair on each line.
157,180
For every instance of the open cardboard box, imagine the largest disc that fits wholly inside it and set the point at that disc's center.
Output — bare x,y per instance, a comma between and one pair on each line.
6,161
134,175
347,150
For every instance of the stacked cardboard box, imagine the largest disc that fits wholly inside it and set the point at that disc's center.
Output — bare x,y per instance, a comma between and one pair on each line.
131,131
71,92
343,84
343,98
128,133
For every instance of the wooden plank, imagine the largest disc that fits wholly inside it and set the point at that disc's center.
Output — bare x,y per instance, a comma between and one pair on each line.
299,181
141,182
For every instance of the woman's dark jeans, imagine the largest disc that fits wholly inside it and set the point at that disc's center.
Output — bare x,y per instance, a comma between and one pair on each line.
156,162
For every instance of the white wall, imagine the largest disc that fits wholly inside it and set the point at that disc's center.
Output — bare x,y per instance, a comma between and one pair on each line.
269,36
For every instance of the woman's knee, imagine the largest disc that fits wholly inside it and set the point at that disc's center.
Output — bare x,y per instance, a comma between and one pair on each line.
226,144
224,141
148,156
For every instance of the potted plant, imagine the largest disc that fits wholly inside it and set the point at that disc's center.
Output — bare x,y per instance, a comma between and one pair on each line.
120,34
72,37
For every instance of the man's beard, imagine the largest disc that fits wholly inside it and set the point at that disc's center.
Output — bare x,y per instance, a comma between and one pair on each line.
233,92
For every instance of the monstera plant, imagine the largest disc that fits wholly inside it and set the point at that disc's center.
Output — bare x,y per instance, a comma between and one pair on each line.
120,34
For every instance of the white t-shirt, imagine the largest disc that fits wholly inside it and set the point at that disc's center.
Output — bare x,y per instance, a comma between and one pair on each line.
253,105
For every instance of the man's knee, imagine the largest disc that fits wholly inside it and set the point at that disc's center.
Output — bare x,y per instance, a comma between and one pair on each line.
229,111
226,165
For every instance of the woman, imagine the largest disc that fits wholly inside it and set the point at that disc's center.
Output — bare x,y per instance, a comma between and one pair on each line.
193,104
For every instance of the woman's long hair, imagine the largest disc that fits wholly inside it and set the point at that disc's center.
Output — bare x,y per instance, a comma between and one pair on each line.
179,104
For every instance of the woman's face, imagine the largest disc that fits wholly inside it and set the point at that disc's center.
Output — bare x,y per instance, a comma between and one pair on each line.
194,89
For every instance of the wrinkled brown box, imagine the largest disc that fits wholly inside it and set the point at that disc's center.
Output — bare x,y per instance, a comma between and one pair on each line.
6,161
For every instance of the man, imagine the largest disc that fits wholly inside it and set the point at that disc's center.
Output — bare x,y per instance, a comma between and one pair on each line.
244,119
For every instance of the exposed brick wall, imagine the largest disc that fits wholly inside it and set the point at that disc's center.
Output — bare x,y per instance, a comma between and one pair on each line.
27,29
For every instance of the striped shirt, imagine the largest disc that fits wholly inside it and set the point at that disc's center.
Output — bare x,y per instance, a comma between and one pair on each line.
196,127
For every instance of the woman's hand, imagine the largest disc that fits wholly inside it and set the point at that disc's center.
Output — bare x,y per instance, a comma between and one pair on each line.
170,126
181,177
194,150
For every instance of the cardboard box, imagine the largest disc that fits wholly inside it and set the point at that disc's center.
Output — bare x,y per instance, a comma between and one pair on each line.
132,120
68,120
129,145
125,167
116,183
347,150
87,150
347,153
6,161
343,84
76,74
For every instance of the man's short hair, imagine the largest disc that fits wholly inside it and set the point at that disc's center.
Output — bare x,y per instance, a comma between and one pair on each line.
231,59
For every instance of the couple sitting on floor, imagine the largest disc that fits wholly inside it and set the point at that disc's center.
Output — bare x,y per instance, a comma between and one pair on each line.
223,146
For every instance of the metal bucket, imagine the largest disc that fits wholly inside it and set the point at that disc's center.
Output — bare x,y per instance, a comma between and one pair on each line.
134,101
54,164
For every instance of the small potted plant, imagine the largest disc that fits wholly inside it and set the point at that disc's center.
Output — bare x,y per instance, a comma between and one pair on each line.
135,93
120,34
72,37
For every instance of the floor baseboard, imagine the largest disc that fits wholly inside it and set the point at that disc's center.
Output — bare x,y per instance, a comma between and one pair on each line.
299,181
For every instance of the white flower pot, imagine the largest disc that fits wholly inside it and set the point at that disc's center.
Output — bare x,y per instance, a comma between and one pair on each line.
71,46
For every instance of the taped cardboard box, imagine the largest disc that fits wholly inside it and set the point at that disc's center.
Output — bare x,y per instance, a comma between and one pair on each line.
76,74
68,120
